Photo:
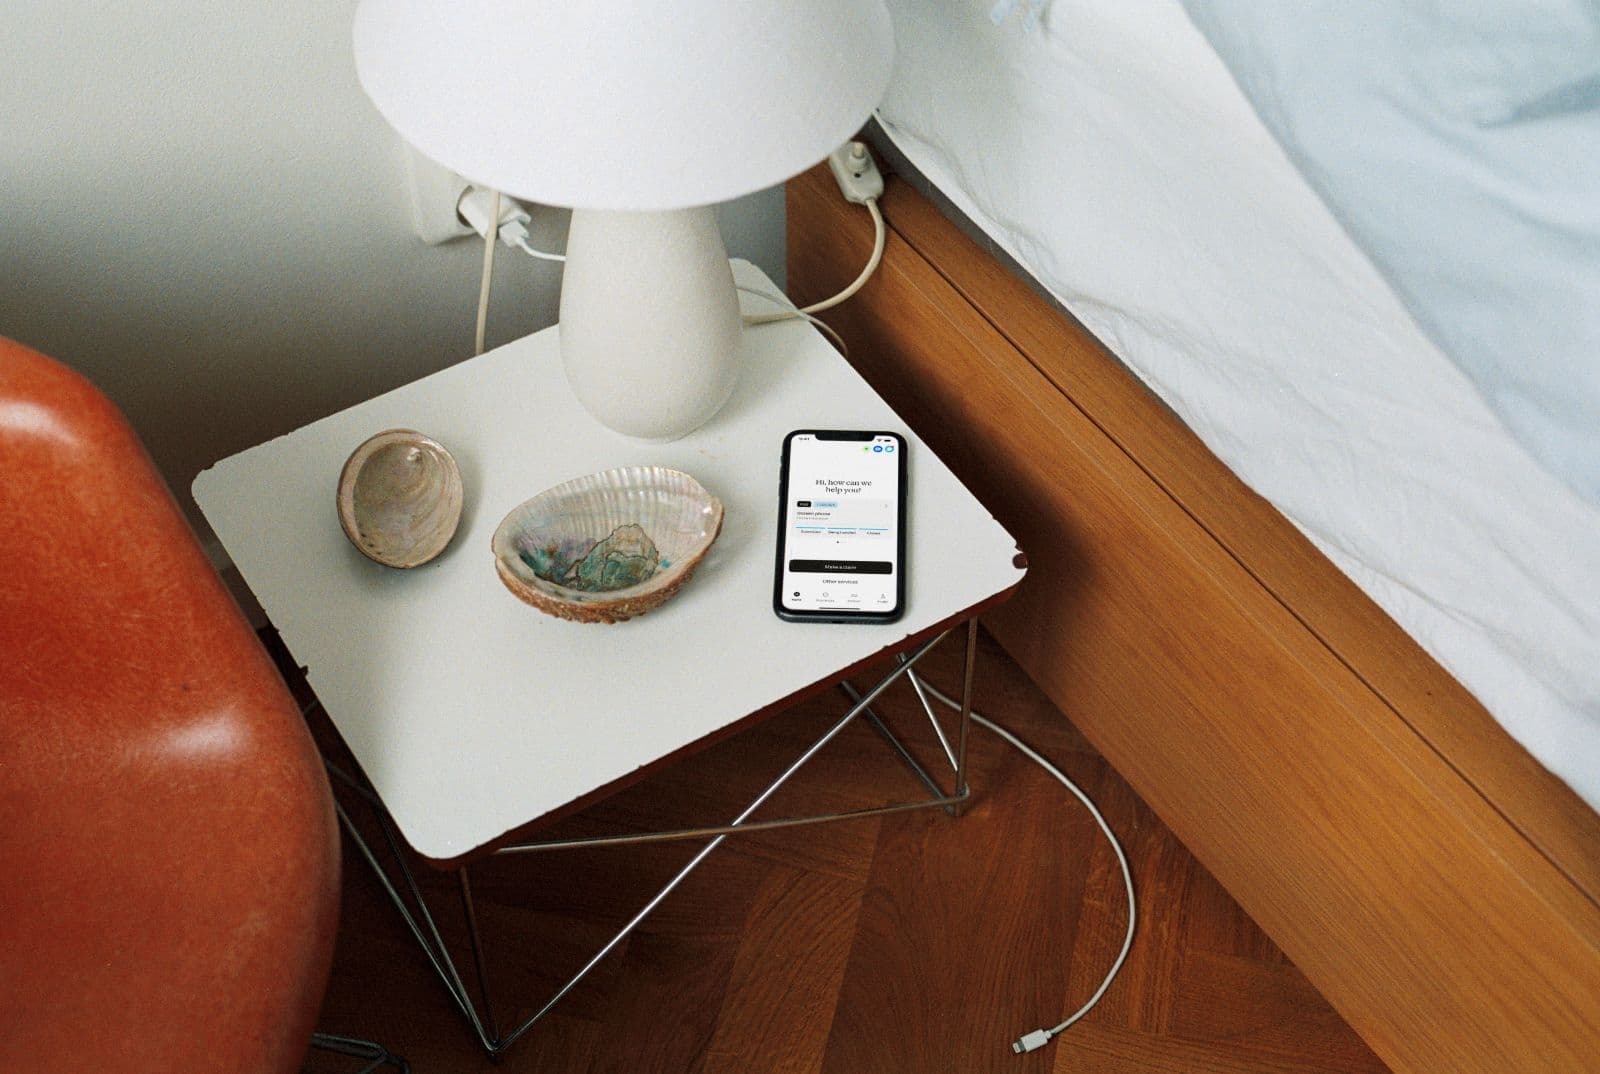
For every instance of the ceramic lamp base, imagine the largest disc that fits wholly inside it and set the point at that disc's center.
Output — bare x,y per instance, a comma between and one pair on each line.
650,326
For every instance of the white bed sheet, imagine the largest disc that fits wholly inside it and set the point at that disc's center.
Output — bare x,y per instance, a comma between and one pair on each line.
1109,152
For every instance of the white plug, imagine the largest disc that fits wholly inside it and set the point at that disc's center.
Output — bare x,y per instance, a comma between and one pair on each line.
856,172
474,208
512,230
1031,1042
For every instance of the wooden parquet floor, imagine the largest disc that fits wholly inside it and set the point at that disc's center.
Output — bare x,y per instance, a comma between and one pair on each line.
902,944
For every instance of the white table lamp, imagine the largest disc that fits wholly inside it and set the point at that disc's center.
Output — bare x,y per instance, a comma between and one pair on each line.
638,115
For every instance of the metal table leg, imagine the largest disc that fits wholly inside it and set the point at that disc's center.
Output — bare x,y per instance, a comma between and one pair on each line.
425,932
375,1054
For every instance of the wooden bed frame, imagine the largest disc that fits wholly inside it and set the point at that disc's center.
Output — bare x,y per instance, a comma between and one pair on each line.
1437,884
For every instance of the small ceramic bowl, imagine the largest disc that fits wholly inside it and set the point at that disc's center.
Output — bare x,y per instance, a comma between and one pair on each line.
399,498
609,546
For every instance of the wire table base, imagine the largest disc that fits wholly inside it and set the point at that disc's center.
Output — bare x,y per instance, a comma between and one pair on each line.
406,894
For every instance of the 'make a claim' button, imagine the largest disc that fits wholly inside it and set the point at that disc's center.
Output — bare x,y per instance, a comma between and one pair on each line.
840,566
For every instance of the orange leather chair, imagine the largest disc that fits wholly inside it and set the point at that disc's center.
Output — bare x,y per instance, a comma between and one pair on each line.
169,856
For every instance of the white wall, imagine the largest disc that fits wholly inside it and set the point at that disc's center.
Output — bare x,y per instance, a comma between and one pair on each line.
200,210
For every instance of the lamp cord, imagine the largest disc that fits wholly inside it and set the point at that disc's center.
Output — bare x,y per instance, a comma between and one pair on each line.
488,274
879,240
789,314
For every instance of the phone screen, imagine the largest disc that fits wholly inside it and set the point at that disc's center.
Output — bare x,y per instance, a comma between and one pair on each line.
841,526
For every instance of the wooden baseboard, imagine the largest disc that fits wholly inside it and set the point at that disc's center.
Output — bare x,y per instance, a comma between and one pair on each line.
1436,883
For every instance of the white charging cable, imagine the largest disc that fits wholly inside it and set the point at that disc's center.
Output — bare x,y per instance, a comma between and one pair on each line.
478,206
1037,1039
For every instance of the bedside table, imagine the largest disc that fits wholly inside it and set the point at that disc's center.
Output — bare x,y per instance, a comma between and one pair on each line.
473,716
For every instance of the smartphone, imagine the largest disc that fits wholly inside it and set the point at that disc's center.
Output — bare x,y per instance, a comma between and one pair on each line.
841,527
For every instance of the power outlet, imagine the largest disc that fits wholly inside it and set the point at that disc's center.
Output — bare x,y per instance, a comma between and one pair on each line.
435,192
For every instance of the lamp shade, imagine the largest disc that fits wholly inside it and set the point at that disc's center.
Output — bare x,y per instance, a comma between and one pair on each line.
624,104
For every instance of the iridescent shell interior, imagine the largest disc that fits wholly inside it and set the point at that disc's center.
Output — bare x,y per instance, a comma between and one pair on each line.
399,498
608,546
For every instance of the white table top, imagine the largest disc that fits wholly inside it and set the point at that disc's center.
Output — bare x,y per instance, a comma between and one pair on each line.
472,713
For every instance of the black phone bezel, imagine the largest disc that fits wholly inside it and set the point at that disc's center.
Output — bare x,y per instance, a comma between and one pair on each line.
792,615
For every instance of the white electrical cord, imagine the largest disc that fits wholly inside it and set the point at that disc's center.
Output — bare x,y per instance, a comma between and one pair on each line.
790,314
515,233
879,240
488,275
481,208
1040,1037
477,208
